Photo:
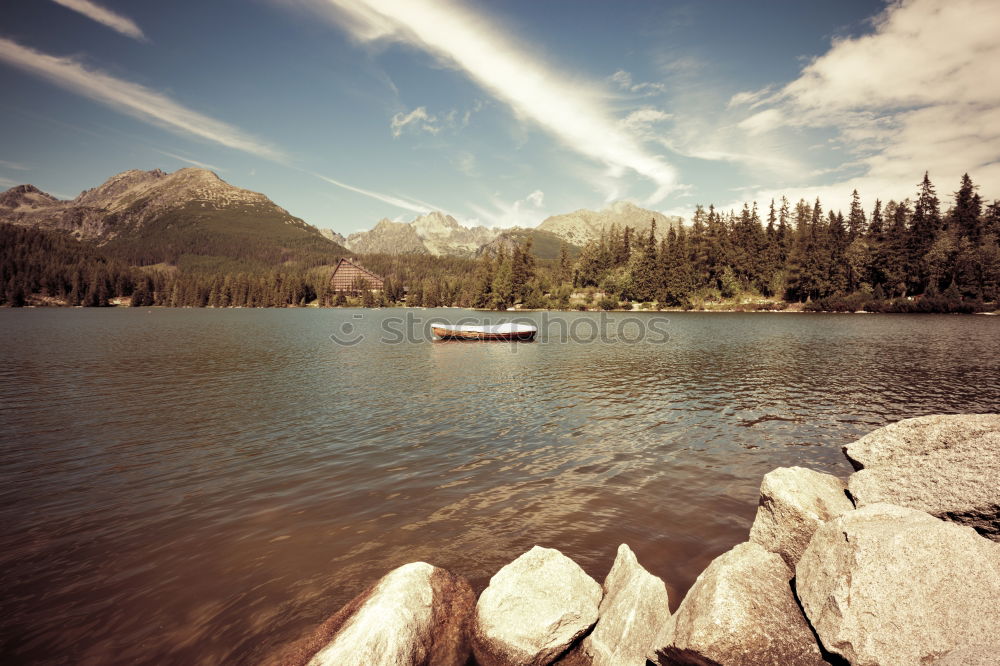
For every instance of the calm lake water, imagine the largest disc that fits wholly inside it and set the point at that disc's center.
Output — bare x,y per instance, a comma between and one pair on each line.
202,486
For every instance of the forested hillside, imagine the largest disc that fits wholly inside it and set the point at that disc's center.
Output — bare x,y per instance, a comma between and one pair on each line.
901,256
894,256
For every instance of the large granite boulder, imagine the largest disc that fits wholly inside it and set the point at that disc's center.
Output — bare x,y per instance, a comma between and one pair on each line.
534,610
887,585
948,466
632,614
794,501
741,612
416,615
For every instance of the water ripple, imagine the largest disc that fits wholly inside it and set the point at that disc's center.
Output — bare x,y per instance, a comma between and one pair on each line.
198,487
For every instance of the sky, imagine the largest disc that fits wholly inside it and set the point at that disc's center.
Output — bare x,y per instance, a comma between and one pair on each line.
502,113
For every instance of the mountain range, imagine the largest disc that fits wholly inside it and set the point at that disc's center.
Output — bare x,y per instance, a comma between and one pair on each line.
440,234
193,216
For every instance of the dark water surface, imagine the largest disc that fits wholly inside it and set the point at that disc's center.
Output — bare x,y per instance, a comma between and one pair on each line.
202,486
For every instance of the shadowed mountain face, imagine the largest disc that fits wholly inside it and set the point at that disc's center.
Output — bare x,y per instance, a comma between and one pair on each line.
581,226
151,216
544,244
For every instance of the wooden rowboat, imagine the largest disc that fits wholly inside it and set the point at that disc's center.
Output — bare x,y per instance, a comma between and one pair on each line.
506,332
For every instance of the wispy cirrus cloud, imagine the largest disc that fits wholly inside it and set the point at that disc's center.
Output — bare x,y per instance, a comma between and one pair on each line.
574,112
526,212
188,160
399,202
158,109
133,99
106,17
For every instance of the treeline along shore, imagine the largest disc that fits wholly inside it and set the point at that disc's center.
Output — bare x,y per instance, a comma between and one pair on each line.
894,256
896,566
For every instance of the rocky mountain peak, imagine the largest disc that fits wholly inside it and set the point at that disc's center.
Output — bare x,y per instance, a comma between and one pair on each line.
435,233
25,196
118,185
582,226
436,223
386,223
131,199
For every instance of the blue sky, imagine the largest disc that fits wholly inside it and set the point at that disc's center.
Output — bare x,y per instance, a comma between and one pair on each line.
501,113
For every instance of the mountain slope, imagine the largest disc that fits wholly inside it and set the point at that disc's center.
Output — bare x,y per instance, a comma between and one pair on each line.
435,233
387,237
544,244
582,226
148,217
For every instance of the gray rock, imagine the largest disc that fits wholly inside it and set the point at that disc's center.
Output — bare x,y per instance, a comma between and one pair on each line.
534,609
416,615
741,612
948,466
889,585
632,614
793,502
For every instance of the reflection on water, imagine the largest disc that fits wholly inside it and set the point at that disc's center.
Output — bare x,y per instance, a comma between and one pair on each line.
196,486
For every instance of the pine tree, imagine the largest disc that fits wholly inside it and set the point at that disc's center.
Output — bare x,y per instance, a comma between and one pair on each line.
856,218
522,269
699,248
925,226
503,283
564,267
643,268
894,257
966,216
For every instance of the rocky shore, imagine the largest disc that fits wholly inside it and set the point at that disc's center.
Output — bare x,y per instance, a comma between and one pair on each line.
899,565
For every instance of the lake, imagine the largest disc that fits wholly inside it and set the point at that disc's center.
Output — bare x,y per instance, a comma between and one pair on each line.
203,486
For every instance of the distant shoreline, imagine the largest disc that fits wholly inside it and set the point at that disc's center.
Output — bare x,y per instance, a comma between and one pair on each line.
793,308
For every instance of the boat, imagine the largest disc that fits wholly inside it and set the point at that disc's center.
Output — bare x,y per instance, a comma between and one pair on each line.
506,332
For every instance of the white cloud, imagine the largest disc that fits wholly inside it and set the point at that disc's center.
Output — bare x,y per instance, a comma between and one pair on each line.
918,93
132,98
200,165
526,212
418,118
105,16
7,183
422,120
624,81
640,122
693,136
762,122
16,166
572,111
751,98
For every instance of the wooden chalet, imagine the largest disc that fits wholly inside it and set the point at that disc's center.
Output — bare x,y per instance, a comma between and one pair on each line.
351,277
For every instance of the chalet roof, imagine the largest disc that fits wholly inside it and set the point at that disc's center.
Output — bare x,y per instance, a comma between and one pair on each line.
357,266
